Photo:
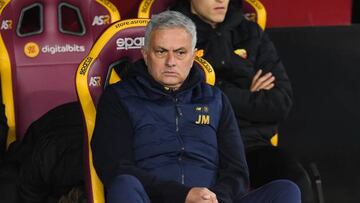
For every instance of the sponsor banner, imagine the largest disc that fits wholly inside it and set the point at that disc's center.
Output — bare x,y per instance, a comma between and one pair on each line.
146,6
67,48
32,49
85,65
129,43
125,23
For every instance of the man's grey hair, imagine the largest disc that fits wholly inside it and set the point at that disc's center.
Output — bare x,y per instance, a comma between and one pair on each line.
170,19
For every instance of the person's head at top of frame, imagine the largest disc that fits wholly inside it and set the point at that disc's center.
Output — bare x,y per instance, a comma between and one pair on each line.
212,12
169,49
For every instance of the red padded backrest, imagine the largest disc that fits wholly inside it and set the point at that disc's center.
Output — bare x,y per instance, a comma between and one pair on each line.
124,44
43,64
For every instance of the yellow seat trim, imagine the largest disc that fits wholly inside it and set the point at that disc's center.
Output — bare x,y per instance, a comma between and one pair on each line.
260,12
114,13
208,70
7,85
85,98
144,8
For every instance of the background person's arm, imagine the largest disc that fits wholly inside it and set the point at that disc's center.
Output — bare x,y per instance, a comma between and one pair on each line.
267,105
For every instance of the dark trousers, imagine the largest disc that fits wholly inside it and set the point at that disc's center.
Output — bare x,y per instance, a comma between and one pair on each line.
126,188
271,163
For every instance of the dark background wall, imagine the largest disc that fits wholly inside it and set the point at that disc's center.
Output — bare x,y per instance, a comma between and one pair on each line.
323,64
356,11
287,13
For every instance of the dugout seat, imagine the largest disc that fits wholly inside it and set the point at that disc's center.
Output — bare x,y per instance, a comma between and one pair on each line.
121,42
253,9
41,44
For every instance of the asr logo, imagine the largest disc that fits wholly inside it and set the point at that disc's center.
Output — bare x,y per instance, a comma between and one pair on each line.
101,20
6,25
203,118
95,81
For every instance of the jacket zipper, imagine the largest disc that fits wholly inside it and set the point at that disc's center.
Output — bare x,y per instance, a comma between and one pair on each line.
178,115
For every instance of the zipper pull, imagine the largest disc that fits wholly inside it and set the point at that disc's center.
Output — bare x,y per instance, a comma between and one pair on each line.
178,110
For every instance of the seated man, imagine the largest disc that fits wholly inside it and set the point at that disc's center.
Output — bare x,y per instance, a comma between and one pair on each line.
250,72
164,135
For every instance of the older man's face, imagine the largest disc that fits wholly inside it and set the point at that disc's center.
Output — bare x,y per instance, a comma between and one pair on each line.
170,56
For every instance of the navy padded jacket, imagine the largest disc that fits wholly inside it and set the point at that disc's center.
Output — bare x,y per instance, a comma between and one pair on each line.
170,141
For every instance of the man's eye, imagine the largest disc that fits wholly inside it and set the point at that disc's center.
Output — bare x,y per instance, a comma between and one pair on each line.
180,53
160,52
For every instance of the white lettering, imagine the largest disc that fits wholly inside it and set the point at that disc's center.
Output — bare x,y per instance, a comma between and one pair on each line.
101,20
129,43
67,48
6,25
95,81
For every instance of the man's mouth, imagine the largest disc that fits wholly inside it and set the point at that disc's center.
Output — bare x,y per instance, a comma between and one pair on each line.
170,73
220,8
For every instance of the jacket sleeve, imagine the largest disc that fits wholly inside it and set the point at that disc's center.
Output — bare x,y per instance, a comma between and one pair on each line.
113,153
233,175
266,105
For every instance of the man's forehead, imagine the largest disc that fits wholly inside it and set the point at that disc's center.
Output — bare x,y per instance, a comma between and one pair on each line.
169,48
166,30
171,37
169,28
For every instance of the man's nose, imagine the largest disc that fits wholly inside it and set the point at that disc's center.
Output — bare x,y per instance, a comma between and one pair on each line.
170,59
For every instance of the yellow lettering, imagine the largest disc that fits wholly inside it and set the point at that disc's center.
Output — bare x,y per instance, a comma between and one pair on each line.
106,19
203,119
198,120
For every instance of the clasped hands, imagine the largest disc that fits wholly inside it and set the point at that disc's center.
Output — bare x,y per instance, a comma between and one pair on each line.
201,195
262,81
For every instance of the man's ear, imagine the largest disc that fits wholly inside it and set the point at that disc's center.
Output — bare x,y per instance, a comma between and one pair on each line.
144,54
